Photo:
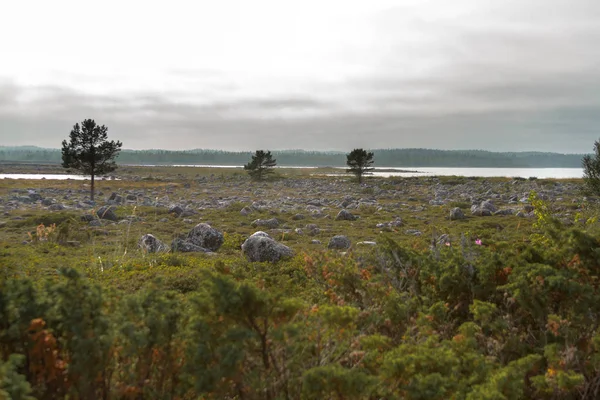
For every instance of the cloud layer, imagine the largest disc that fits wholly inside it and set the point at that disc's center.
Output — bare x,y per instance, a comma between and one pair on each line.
473,74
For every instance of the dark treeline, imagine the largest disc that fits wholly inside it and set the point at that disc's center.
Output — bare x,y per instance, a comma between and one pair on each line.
383,158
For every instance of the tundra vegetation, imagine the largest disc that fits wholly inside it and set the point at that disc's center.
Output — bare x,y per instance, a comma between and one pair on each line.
452,287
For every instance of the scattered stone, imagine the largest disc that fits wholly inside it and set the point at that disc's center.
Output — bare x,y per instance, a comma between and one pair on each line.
481,212
107,212
260,247
488,205
298,217
246,211
413,232
345,215
339,242
87,217
115,199
56,207
150,244
35,196
267,223
312,229
176,209
456,214
205,236
366,243
506,211
184,246
315,241
47,202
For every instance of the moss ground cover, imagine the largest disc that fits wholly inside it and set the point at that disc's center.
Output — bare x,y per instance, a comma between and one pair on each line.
499,306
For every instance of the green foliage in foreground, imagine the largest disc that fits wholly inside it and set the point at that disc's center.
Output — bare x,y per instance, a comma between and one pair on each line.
463,322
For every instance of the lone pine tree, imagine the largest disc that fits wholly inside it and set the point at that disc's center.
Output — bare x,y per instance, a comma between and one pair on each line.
262,164
359,162
89,151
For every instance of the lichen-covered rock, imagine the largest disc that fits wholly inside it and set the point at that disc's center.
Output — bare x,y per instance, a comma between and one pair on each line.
506,211
267,223
345,215
205,236
312,229
339,242
488,205
183,246
150,244
246,211
176,209
456,214
260,247
107,212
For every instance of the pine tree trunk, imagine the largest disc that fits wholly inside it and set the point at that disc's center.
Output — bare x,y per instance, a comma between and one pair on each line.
92,189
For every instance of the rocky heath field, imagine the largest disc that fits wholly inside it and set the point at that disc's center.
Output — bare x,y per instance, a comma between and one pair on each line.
183,282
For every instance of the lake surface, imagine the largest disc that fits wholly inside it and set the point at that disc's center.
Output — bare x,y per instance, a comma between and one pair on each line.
48,176
542,173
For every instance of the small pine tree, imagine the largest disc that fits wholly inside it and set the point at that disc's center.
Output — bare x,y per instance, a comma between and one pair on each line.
89,151
359,162
261,165
591,169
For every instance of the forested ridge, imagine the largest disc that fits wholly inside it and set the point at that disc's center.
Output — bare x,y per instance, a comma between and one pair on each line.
383,157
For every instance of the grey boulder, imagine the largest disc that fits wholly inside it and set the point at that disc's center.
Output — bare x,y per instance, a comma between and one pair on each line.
107,212
260,247
345,215
205,236
267,223
340,242
184,246
456,214
150,244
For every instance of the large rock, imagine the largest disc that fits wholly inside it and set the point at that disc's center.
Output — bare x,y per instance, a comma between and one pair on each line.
488,205
176,209
205,236
150,244
456,213
246,211
115,198
312,229
107,212
184,246
260,247
345,215
267,223
339,242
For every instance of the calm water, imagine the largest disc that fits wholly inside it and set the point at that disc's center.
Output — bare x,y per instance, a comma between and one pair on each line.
46,176
560,173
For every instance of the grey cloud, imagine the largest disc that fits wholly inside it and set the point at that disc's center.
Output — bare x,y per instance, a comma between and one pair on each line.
173,125
502,75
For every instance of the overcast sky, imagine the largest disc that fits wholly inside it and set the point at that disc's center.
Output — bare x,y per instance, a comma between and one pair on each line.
505,75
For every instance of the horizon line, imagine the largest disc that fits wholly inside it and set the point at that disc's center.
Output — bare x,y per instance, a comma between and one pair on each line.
314,151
